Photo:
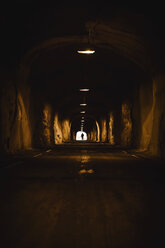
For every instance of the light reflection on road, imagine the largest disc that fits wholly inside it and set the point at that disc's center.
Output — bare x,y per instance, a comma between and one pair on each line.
84,163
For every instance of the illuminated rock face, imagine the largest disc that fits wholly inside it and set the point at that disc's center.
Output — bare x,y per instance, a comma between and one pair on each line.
61,130
57,130
126,134
46,123
103,131
147,103
149,117
110,131
94,135
15,126
66,130
98,131
157,142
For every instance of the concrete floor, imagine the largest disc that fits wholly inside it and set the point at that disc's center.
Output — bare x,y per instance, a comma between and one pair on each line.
82,196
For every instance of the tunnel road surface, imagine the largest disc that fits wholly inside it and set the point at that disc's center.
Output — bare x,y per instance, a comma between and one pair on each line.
82,197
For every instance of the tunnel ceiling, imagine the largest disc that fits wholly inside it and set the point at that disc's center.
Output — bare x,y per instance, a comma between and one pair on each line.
58,75
58,72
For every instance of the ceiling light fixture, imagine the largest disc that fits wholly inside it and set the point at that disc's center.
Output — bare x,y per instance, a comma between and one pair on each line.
82,112
88,49
83,104
84,90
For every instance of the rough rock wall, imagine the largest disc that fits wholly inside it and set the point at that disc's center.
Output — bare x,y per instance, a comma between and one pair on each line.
57,131
151,117
143,115
66,130
98,131
110,129
15,118
45,126
147,103
103,131
157,142
126,134
61,130
92,136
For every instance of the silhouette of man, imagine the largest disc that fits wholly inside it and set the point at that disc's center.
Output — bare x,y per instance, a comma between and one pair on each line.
82,136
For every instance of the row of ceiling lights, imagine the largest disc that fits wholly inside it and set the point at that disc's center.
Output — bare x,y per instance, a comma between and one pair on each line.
84,104
83,111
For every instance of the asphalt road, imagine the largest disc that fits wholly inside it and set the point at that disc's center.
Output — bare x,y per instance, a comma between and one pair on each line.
80,197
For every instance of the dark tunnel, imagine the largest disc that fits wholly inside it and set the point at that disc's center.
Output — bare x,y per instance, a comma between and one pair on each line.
41,79
51,94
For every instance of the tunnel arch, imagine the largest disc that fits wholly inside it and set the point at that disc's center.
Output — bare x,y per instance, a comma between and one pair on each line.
131,45
118,37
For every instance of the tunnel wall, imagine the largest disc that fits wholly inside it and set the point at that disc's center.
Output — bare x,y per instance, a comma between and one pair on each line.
103,130
111,129
92,136
15,116
149,117
157,142
147,103
126,125
61,130
66,130
43,133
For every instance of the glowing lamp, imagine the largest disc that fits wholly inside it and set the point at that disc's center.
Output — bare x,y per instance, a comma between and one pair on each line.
83,104
84,90
87,51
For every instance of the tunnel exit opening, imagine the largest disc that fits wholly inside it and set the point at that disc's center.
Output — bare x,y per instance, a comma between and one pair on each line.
81,136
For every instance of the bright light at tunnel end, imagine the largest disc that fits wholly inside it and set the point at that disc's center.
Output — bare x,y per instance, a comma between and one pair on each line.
80,136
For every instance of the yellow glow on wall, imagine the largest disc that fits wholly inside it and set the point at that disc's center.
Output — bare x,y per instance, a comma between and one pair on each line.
98,131
103,131
15,118
93,135
58,137
46,121
126,134
111,126
147,115
24,127
66,130
21,135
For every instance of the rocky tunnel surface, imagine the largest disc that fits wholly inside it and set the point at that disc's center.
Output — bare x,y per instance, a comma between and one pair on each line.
82,125
42,104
